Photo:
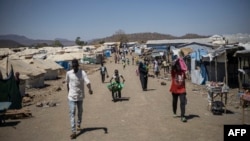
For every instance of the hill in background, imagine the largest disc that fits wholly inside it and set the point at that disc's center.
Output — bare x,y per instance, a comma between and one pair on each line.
17,40
143,37
13,40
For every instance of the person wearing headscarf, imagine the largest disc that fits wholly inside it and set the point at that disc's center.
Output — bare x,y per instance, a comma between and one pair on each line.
143,74
178,89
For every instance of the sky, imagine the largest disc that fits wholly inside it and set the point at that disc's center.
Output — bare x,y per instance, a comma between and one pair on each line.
91,19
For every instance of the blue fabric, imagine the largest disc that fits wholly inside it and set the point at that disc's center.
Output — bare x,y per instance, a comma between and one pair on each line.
64,64
107,53
197,54
203,74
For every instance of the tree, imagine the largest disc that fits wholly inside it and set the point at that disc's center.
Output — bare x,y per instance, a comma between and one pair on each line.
102,42
120,36
38,45
57,43
79,42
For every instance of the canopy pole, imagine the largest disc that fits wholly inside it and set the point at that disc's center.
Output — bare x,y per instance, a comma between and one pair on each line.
226,81
215,61
7,65
239,78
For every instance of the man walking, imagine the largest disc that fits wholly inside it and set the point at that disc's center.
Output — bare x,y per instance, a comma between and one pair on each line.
103,71
75,79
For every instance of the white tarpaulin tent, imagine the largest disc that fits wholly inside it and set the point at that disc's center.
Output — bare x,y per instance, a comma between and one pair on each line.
35,75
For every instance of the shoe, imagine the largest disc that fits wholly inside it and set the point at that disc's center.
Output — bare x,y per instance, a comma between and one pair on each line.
175,116
73,135
183,119
78,128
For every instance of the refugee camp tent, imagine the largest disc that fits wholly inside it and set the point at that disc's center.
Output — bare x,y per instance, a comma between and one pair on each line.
63,59
192,53
55,66
22,77
107,52
35,75
199,74
52,70
138,50
10,92
4,52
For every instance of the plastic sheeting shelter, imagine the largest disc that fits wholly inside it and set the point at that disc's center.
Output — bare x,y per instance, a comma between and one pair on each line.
107,53
64,64
10,92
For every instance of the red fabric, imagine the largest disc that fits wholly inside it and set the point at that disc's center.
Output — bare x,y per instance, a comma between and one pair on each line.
178,82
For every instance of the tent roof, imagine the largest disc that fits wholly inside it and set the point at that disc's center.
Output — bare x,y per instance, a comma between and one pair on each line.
184,41
5,51
22,67
66,56
42,64
242,53
221,50
186,51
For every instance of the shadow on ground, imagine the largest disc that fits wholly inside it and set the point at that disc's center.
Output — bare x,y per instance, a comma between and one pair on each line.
150,89
123,99
105,129
9,123
188,117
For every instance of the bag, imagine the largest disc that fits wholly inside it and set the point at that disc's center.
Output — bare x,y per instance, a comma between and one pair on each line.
182,64
217,107
115,86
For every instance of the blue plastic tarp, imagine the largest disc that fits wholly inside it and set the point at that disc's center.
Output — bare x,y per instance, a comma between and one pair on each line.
64,64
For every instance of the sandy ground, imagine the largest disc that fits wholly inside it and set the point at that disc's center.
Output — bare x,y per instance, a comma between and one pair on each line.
141,116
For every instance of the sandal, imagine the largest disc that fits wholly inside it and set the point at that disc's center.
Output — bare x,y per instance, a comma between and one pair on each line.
73,136
183,119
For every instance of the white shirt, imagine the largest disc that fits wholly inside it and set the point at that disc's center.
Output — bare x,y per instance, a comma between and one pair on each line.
76,84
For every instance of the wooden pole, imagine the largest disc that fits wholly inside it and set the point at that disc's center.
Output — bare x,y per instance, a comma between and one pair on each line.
7,65
226,81
210,70
239,78
215,61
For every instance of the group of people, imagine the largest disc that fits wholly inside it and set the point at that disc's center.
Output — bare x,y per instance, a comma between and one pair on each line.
76,79
177,88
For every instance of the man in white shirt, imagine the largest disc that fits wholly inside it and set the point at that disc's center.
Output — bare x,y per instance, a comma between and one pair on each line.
75,79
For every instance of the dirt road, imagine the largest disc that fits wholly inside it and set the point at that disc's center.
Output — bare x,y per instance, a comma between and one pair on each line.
141,116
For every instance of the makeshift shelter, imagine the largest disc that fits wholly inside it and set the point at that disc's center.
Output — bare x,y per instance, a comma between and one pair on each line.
107,52
35,75
197,67
63,59
64,64
52,69
5,52
192,53
243,57
218,62
138,51
10,92
55,66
